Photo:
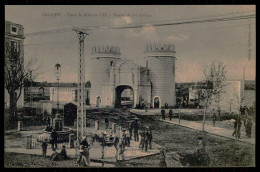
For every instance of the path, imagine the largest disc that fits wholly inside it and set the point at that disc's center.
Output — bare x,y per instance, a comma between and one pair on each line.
224,132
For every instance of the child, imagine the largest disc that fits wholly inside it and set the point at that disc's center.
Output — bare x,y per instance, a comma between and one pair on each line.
44,148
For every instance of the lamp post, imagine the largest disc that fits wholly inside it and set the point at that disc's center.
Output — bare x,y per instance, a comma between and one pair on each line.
58,74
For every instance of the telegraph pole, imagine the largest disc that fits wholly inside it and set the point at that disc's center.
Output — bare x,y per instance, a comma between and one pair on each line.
81,108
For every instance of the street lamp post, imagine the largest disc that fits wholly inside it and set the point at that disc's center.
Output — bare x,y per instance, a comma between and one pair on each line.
58,74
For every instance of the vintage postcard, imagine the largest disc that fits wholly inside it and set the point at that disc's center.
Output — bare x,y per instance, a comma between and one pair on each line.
129,86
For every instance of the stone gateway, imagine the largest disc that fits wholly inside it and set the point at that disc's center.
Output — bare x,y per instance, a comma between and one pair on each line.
116,82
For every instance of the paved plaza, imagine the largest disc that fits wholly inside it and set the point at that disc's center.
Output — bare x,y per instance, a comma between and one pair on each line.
131,152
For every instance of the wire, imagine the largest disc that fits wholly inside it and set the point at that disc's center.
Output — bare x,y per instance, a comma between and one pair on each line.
89,40
145,25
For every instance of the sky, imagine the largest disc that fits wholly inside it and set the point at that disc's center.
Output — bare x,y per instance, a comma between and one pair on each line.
194,43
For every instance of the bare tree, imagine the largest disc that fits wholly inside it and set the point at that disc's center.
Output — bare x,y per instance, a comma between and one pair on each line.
214,77
17,73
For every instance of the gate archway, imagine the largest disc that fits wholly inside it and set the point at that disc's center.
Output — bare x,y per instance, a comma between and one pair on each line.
156,102
124,96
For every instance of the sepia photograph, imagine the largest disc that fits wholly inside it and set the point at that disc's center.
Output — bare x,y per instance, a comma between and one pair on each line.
123,86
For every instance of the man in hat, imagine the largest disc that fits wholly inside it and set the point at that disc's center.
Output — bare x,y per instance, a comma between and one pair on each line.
170,114
107,123
249,125
54,139
130,129
146,139
136,126
163,113
150,137
214,117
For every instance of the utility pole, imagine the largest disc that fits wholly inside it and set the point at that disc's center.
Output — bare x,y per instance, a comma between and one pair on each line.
81,108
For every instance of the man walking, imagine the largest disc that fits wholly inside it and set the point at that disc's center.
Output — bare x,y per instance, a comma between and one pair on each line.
150,137
54,139
107,123
214,117
237,126
163,113
136,131
146,139
130,129
249,125
170,114
44,148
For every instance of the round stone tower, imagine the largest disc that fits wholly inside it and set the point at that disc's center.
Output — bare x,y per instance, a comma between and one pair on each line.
103,59
160,60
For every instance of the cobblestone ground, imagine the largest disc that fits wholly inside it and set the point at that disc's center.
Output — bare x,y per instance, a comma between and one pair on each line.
223,152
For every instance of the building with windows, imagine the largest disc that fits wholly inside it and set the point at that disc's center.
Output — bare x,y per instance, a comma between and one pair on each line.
14,41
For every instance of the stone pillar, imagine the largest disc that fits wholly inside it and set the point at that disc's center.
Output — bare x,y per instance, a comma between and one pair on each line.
96,125
71,141
29,142
20,128
114,127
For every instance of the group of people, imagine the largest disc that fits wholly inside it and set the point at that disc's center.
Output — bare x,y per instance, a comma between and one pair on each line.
55,155
163,114
145,139
248,123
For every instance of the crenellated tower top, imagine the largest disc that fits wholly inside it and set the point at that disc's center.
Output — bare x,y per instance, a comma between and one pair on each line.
158,49
106,51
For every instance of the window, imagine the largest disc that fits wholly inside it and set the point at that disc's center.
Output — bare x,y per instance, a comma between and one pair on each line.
14,30
111,63
14,46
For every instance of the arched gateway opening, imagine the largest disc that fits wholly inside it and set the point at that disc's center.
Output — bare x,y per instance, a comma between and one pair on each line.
124,96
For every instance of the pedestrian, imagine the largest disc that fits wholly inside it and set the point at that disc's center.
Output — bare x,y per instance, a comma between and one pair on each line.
130,129
136,127
63,153
237,126
83,156
170,114
150,137
141,140
54,139
214,117
163,113
84,152
146,139
127,134
249,125
107,123
201,154
44,148
162,162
